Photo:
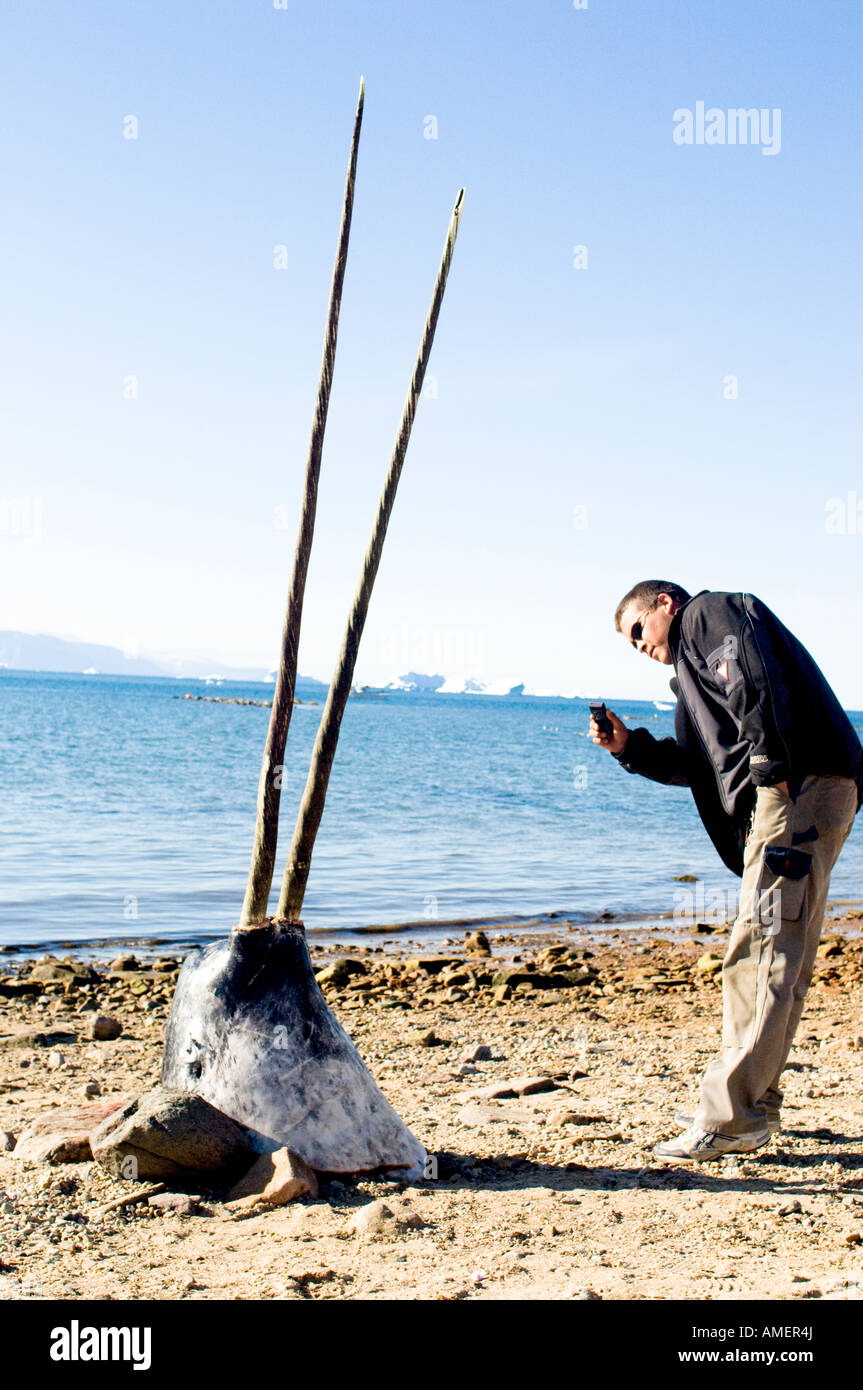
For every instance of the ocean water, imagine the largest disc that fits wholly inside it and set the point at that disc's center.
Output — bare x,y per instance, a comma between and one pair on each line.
128,812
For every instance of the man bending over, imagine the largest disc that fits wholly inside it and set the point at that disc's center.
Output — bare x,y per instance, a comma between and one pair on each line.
776,772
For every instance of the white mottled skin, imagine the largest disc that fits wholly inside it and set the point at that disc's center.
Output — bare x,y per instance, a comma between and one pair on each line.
251,1032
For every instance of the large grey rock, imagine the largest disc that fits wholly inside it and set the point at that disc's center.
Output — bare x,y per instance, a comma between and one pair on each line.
168,1133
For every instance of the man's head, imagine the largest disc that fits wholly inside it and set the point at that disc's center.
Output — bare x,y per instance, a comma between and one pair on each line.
644,616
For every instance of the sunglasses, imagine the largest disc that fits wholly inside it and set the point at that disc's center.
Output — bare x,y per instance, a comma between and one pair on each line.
637,631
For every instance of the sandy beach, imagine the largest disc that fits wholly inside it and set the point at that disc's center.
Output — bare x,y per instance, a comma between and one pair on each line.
539,1103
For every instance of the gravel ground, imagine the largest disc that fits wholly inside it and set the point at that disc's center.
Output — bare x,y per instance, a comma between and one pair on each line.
552,1192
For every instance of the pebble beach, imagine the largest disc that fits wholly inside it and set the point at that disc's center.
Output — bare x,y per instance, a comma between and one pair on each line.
537,1069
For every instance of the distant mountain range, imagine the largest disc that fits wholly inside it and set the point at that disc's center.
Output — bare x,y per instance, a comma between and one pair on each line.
29,651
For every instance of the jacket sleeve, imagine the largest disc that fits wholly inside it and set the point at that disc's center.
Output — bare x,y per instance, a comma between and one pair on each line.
744,664
660,759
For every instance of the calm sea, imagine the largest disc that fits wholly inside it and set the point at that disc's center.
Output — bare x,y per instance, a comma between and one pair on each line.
128,812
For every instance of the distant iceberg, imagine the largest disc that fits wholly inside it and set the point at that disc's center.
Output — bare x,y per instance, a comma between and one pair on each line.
471,685
504,687
414,680
461,685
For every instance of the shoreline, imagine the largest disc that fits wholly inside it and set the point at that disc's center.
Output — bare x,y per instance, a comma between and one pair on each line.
599,927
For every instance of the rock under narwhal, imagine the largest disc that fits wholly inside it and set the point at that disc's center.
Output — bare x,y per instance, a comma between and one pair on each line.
249,1030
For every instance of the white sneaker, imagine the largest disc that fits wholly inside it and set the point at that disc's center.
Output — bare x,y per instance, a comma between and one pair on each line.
697,1145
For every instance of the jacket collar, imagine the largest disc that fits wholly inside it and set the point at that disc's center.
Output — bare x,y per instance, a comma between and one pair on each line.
674,630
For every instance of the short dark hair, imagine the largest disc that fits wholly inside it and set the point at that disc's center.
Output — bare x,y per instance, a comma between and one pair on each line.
646,595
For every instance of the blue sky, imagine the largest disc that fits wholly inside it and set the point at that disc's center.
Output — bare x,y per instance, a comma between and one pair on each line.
581,437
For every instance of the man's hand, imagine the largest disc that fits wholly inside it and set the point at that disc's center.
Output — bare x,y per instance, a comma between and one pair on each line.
614,742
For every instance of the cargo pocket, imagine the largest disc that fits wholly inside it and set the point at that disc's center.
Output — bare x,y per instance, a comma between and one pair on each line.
783,886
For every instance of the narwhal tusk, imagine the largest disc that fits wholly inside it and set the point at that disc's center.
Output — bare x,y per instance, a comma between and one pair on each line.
249,1028
269,786
312,805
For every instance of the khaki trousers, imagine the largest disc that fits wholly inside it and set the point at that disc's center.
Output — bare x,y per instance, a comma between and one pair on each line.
791,849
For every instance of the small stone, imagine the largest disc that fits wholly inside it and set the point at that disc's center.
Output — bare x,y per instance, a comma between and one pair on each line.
480,1053
339,972
501,994
55,972
853,1238
558,1118
520,1086
7,1141
376,1218
467,1069
92,1088
430,965
273,1180
586,1295
708,964
125,963
55,1060
177,1202
790,1208
427,1039
478,944
103,1028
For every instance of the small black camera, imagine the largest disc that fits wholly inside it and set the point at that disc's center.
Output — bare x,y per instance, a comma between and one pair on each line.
600,717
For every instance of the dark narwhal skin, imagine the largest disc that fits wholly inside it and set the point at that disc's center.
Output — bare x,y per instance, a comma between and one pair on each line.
249,1030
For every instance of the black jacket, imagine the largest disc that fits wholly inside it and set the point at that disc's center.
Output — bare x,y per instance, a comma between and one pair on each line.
753,709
